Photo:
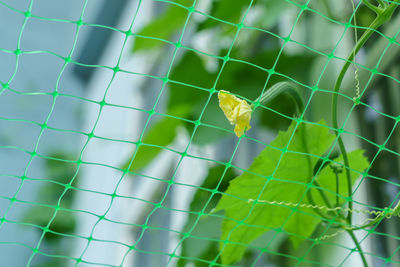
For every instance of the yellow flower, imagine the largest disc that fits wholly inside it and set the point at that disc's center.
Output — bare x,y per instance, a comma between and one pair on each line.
236,110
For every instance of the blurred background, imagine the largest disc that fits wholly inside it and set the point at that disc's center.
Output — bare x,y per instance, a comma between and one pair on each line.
112,147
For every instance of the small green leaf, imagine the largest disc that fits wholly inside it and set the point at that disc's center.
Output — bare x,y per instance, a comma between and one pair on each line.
279,176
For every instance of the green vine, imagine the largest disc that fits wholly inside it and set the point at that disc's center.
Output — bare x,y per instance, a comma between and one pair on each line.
384,13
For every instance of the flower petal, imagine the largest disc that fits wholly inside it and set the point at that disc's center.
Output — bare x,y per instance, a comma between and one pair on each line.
236,110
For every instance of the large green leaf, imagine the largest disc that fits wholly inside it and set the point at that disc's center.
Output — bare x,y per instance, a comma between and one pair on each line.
277,175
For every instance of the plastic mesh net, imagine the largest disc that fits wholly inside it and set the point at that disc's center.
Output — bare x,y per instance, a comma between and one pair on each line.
195,49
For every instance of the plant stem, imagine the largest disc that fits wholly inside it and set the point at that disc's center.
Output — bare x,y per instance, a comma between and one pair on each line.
279,88
338,83
374,8
378,219
323,195
337,189
379,20
316,210
394,212
382,17
310,174
358,247
396,209
381,3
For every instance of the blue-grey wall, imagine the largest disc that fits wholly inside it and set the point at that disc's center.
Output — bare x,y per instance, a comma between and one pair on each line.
24,105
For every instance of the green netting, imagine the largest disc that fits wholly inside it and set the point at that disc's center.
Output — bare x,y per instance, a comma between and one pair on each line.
254,45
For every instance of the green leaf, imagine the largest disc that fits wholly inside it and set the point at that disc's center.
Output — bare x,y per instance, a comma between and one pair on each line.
184,102
63,223
225,10
191,71
279,176
163,27
357,162
161,134
214,116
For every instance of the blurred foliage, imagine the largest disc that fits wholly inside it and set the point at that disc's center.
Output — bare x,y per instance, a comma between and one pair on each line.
161,134
191,80
60,173
160,30
189,83
226,11
198,69
205,230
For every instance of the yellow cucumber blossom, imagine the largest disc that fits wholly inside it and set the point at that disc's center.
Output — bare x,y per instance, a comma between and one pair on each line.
236,110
